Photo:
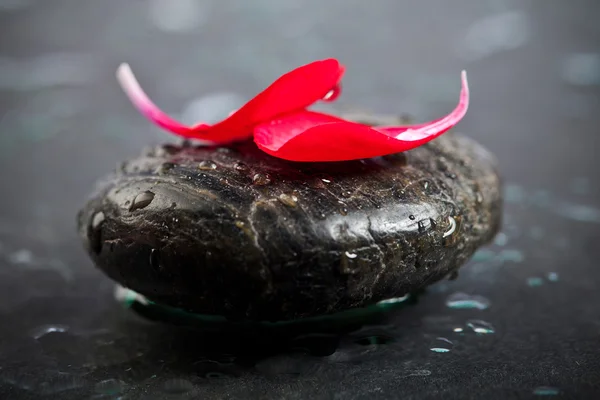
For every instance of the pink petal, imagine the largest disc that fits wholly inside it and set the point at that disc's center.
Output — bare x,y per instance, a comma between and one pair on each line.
142,102
311,136
292,92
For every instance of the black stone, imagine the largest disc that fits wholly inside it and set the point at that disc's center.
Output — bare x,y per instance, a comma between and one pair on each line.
234,232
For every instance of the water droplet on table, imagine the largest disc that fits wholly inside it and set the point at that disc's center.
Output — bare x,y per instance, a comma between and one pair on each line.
22,256
580,186
442,345
484,255
110,387
420,372
43,330
12,5
461,300
142,200
536,233
579,212
514,193
546,391
495,33
582,69
178,386
511,255
552,276
535,281
177,15
479,326
61,382
501,239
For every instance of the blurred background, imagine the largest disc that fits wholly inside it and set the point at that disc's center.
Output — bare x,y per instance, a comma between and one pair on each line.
530,320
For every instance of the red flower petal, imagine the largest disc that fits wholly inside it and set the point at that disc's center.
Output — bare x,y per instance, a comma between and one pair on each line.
311,136
292,92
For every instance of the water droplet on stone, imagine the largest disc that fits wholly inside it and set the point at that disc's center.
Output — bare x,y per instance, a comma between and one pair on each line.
394,300
165,167
261,179
461,300
457,330
288,200
535,281
480,326
178,386
451,227
343,211
546,391
346,193
97,220
350,255
44,330
142,200
110,387
424,224
155,259
478,197
207,165
240,167
411,217
326,180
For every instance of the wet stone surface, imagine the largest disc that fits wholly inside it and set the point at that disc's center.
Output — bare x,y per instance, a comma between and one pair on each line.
237,233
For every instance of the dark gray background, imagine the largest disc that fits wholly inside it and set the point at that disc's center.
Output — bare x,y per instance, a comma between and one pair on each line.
534,69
